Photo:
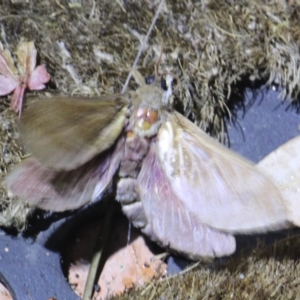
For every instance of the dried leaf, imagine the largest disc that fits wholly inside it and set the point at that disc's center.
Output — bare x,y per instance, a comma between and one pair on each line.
128,265
4,293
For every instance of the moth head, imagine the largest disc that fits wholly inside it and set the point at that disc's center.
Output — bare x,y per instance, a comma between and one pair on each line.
150,103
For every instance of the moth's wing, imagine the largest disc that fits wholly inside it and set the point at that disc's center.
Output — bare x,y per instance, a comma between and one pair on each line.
224,190
170,222
283,165
63,190
65,132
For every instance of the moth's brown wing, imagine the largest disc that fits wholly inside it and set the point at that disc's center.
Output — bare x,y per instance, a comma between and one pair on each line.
65,132
170,222
63,190
224,190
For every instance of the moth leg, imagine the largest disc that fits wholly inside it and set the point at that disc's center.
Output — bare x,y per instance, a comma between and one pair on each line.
127,195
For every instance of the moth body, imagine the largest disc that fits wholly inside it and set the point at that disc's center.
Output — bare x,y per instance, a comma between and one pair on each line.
144,123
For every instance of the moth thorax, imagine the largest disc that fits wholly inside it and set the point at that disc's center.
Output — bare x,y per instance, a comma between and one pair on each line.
145,121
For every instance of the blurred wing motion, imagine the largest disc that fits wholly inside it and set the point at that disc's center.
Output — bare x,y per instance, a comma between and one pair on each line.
198,191
170,223
72,141
63,190
283,166
66,132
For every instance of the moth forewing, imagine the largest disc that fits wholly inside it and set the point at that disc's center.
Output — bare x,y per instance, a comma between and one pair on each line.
176,227
66,132
224,190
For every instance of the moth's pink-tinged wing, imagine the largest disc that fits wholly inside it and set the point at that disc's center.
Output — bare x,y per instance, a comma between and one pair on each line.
170,222
222,189
66,132
63,190
38,78
7,85
26,53
7,65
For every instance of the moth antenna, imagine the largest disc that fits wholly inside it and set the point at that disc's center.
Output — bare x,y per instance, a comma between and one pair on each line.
142,45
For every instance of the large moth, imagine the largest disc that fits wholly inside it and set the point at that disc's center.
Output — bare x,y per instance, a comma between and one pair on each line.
182,188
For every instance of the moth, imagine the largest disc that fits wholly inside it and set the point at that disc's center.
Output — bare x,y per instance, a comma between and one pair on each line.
182,188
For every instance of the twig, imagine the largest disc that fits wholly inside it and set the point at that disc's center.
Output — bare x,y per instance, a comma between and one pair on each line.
142,45
99,249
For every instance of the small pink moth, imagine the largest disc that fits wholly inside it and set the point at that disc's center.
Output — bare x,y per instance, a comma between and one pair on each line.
27,75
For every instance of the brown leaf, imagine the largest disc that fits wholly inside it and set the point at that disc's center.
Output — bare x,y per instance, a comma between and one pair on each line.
127,265
4,293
